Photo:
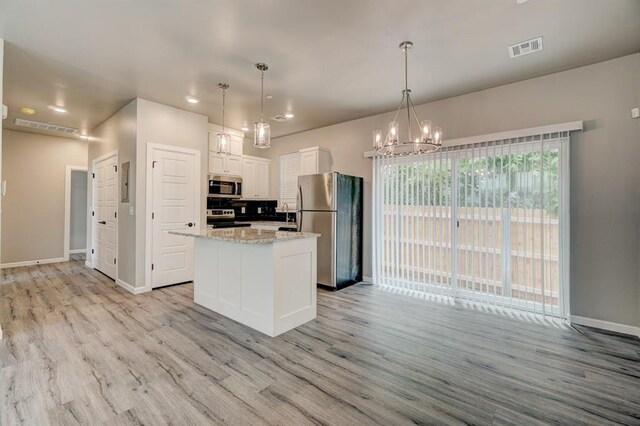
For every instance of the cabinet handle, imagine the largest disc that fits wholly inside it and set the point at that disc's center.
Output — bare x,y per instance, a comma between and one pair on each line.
190,224
102,222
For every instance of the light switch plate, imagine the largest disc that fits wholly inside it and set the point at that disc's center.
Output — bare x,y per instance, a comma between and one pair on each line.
635,112
131,211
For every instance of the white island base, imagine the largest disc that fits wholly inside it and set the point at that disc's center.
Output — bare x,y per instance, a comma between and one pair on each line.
269,286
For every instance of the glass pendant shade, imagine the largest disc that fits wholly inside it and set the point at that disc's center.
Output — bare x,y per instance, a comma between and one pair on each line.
223,144
262,134
262,129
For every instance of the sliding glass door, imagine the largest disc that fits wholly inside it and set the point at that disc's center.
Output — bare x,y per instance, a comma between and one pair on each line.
480,223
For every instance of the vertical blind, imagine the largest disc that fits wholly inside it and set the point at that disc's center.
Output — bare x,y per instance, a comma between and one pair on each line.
485,223
289,171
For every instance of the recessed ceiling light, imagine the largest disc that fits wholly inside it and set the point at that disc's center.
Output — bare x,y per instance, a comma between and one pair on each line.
85,137
288,114
57,108
27,110
245,129
521,1
269,97
192,100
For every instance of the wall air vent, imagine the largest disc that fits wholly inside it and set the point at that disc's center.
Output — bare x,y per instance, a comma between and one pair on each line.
280,118
49,127
525,47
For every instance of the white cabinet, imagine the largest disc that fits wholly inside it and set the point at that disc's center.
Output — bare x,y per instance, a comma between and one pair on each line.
225,164
255,178
314,160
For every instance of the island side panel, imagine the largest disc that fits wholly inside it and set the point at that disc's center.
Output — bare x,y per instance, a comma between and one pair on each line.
236,280
295,283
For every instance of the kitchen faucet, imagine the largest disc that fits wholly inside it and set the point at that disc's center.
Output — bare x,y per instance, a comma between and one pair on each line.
285,206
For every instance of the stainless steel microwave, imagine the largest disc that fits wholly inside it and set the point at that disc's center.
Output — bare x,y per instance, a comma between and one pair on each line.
225,186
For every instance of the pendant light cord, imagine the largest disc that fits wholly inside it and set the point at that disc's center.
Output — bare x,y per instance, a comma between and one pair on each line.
223,96
262,96
406,89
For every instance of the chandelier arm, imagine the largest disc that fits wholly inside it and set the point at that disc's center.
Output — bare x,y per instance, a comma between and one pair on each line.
409,103
415,115
399,108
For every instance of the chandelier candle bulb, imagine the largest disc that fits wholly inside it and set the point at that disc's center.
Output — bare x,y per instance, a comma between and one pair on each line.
377,139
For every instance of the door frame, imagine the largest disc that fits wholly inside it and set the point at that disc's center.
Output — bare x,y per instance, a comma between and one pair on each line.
148,254
103,157
67,208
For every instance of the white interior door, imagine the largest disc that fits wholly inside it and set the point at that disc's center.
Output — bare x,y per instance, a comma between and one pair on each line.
175,207
105,222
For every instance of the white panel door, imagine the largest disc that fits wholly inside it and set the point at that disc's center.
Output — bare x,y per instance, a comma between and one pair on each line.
105,193
175,207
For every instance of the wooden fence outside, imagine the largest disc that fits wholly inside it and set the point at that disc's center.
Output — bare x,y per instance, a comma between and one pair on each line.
420,241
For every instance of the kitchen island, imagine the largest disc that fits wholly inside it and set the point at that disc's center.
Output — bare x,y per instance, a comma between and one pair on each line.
263,279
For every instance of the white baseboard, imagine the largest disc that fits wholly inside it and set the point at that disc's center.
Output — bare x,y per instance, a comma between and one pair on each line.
32,262
88,264
77,251
367,279
130,288
606,325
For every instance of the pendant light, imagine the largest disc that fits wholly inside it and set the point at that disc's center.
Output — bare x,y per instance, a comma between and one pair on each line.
423,138
262,129
223,137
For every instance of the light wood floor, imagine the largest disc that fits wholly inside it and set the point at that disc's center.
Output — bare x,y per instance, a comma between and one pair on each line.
78,349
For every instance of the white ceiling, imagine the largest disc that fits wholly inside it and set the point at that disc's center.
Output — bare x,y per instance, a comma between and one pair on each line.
330,61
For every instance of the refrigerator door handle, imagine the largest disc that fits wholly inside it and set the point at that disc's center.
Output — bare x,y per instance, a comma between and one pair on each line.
299,221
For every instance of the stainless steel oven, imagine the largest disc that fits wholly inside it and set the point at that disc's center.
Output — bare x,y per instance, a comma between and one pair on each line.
225,186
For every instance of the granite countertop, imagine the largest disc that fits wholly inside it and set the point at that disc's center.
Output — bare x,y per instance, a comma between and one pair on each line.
245,235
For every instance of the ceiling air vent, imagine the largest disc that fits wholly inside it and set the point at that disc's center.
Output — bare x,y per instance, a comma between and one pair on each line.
526,47
49,127
280,118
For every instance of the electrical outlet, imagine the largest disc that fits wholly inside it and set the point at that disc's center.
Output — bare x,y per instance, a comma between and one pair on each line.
259,210
131,211
243,210
635,112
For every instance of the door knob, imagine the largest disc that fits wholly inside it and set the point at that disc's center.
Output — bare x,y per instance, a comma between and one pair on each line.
190,224
102,222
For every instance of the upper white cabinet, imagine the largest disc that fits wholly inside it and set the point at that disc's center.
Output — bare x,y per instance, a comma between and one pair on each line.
314,160
225,164
255,178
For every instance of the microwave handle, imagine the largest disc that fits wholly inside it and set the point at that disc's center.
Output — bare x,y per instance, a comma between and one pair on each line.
237,188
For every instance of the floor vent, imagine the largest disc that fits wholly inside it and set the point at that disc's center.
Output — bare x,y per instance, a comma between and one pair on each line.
50,127
525,47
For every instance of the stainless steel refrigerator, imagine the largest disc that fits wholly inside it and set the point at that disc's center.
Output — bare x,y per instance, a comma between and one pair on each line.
330,204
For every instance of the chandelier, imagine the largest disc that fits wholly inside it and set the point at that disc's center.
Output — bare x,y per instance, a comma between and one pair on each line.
262,129
223,137
418,138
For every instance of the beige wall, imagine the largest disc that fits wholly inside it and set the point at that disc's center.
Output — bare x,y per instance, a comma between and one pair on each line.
129,131
605,168
164,125
119,133
34,167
